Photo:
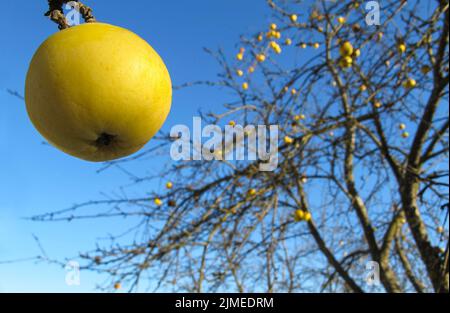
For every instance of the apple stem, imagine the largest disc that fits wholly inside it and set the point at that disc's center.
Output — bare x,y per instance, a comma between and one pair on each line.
56,12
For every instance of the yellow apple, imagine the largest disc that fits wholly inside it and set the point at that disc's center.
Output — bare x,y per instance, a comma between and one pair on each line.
261,58
97,91
346,49
158,201
299,215
401,48
288,140
307,216
346,62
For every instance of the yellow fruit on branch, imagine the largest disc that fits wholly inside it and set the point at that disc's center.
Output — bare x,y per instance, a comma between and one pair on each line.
158,201
245,86
307,217
402,126
293,18
169,185
299,215
240,73
273,26
288,42
346,49
380,36
378,104
341,20
303,45
410,83
405,135
288,140
260,58
252,192
232,123
240,56
251,69
97,91
117,286
346,62
293,91
425,69
316,45
401,48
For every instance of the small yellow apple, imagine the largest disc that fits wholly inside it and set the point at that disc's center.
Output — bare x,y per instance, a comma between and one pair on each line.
307,217
252,192
346,49
410,83
158,201
341,20
169,185
260,58
346,62
240,73
97,91
293,18
378,104
299,215
402,126
117,286
245,85
405,135
288,140
401,48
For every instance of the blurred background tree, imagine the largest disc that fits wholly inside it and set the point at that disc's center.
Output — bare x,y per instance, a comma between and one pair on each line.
362,174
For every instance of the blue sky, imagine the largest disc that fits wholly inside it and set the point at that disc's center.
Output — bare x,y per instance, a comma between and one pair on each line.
36,178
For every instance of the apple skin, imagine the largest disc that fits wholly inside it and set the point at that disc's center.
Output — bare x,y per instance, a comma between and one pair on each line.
97,91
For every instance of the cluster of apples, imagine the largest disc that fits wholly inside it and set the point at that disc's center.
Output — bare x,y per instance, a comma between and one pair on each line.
302,216
348,54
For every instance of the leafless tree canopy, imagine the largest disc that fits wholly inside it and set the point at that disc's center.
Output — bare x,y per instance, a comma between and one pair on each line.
368,160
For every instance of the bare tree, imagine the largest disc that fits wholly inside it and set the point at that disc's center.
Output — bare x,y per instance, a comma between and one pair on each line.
365,153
